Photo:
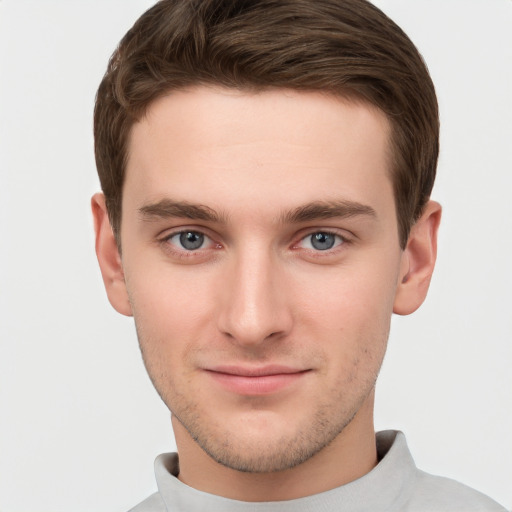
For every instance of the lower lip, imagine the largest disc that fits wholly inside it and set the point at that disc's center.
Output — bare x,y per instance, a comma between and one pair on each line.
253,386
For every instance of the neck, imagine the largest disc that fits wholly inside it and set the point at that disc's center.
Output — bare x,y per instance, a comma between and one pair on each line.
351,455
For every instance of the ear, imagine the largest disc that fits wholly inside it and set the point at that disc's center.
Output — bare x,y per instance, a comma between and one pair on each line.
418,260
109,257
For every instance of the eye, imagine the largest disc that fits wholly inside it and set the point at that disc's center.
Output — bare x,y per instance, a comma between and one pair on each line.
189,240
321,241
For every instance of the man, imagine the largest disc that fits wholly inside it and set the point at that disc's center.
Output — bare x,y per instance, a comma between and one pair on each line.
266,171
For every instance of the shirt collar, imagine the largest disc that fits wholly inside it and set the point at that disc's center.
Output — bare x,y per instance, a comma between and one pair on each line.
386,485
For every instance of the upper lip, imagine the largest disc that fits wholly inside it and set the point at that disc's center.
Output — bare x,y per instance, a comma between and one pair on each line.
255,371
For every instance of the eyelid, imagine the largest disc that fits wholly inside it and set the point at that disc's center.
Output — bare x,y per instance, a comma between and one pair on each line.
169,232
205,239
346,238
164,240
342,233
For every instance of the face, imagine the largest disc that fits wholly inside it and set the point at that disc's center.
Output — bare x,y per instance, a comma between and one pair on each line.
261,258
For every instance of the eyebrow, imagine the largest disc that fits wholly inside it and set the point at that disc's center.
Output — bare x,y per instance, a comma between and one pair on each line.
318,210
167,208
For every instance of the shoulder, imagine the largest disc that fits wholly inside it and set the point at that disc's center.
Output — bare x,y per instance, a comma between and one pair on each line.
439,494
152,504
418,491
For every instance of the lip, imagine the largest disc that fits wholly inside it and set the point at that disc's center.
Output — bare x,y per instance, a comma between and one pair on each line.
254,381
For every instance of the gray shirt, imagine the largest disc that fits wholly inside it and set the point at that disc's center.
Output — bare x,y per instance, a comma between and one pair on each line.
394,485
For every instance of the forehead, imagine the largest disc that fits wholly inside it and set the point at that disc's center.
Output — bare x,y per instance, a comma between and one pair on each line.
215,145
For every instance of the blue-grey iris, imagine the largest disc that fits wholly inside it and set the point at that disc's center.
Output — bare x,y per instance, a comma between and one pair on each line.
323,241
191,240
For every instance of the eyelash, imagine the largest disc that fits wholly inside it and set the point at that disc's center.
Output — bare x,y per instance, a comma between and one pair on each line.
338,241
183,253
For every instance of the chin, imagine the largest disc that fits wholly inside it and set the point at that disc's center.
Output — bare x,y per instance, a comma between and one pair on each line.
268,446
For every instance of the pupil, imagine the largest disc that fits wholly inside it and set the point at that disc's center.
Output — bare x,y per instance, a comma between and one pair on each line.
322,241
191,240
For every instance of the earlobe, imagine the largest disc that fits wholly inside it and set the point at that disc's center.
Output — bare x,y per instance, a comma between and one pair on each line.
418,261
109,258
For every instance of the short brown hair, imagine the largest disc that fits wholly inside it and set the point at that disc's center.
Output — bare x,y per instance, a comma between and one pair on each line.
342,47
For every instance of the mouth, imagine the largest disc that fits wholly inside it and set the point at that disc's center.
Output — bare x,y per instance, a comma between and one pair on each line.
255,381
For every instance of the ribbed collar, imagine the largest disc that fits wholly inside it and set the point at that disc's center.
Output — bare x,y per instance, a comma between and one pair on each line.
384,488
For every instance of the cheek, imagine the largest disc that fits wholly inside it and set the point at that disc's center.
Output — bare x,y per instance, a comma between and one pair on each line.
169,298
349,317
170,316
166,334
348,298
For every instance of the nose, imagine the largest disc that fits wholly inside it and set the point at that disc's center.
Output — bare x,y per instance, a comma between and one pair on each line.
254,303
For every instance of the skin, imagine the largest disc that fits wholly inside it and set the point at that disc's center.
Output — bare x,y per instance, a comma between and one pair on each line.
265,347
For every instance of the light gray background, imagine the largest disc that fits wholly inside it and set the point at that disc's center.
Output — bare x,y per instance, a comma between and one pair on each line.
80,423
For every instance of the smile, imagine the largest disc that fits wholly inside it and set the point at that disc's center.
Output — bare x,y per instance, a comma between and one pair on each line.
255,381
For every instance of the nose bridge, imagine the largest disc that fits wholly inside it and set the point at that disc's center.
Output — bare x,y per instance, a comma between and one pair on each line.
254,305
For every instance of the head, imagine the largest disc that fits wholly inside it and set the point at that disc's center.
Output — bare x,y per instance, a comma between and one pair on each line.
348,49
266,169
